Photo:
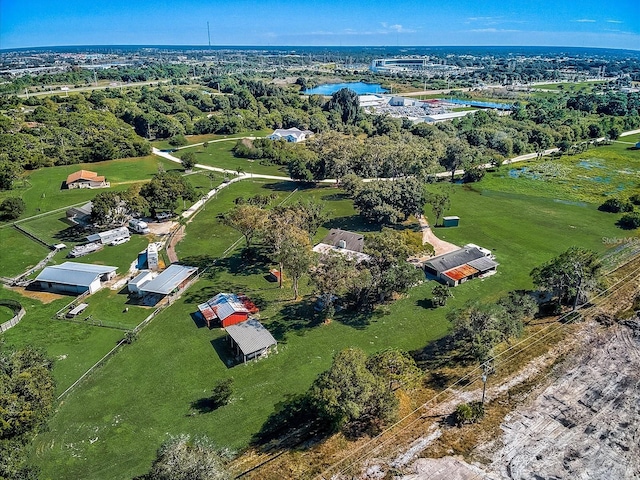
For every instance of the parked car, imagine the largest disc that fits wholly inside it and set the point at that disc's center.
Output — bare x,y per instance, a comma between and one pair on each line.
120,241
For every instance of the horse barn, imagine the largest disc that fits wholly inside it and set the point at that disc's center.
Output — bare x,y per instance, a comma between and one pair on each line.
457,267
251,340
172,280
74,278
228,308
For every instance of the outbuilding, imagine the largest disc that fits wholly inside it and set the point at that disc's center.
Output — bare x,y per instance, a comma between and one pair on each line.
450,221
172,280
228,308
251,340
75,278
144,277
110,235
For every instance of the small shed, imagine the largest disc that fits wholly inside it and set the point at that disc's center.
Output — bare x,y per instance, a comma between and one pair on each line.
77,310
251,340
451,221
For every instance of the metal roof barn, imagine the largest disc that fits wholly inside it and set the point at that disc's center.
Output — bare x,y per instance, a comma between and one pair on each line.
74,277
251,339
169,280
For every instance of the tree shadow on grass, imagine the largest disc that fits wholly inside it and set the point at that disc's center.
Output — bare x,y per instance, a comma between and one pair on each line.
296,317
285,186
200,261
72,234
352,222
426,303
292,423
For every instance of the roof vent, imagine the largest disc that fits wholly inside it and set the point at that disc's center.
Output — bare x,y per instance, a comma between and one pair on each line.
342,244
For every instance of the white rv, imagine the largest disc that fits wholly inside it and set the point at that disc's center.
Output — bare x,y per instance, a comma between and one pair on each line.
138,226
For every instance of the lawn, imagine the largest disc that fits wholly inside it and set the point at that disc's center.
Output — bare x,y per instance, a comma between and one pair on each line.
74,347
42,189
586,87
193,139
19,253
219,155
112,424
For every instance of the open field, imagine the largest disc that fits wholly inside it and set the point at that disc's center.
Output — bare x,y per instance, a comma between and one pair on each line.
25,253
585,87
219,155
42,190
193,139
73,346
593,176
148,389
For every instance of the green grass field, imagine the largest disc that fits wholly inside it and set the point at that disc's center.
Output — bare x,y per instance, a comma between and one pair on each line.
146,391
570,86
219,155
42,190
19,252
193,139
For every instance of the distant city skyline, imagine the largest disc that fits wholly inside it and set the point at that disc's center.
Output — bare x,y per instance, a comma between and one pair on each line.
589,23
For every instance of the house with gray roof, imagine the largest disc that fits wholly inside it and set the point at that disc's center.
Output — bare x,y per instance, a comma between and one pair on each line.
342,241
457,267
74,278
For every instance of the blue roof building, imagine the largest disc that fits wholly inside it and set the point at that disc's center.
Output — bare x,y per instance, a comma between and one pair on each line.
74,278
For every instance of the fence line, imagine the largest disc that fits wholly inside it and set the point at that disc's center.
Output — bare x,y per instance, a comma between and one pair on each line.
13,322
33,236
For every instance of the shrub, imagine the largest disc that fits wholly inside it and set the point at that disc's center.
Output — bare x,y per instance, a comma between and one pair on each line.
630,221
221,393
614,205
635,199
178,141
468,413
12,207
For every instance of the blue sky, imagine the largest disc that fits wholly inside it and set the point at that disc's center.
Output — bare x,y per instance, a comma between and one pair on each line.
586,23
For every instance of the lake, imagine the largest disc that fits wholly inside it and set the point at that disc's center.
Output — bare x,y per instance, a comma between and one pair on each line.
360,88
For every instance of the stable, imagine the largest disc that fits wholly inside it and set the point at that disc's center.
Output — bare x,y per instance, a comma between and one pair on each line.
75,278
457,267
251,340
172,280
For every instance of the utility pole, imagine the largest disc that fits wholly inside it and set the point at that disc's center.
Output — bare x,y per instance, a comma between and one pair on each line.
484,382
208,34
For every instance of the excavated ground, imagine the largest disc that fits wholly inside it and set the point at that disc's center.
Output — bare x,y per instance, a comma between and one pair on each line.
585,424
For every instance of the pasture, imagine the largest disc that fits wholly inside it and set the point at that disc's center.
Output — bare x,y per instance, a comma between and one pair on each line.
112,424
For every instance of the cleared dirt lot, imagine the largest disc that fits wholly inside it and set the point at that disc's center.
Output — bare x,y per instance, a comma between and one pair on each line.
584,424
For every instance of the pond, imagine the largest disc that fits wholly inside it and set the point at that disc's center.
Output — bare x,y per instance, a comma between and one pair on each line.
360,88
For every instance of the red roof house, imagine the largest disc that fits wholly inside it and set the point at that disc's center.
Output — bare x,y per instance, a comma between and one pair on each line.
229,308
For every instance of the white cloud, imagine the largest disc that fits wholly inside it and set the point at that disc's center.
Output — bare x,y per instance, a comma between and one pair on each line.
585,20
614,21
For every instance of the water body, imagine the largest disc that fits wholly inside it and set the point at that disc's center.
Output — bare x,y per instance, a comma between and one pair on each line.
360,88
474,103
